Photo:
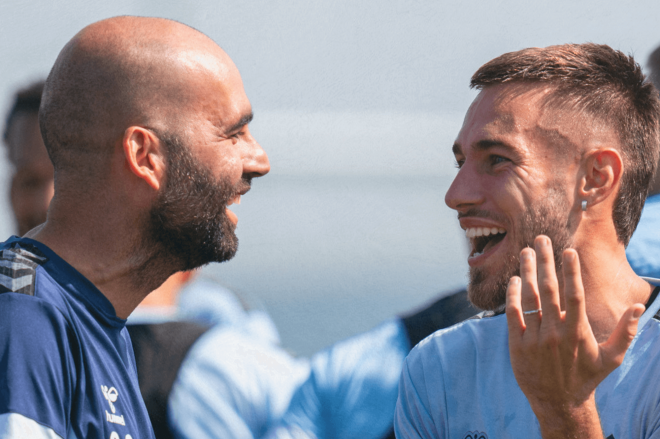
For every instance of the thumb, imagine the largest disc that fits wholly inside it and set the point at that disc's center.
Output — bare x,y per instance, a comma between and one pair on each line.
614,349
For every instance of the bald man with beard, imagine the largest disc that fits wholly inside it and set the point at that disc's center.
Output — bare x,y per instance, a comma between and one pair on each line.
145,121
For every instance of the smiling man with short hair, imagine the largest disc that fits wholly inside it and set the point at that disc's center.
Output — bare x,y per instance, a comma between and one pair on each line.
556,155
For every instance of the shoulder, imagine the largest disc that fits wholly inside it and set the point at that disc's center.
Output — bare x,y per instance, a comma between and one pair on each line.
457,351
447,363
469,335
31,329
23,315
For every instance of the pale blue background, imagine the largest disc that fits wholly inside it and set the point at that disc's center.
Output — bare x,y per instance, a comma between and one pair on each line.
357,104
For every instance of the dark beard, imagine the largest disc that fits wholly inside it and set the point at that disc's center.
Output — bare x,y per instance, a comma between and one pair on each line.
188,222
550,219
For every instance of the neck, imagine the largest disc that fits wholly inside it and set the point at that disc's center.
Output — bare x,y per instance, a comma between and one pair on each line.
112,254
610,284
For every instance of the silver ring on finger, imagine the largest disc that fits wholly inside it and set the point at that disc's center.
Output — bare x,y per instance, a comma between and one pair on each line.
534,311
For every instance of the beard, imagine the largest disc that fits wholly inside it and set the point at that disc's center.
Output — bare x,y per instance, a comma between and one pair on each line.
551,218
188,222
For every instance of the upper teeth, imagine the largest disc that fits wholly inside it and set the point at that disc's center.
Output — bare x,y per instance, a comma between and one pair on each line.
235,200
483,231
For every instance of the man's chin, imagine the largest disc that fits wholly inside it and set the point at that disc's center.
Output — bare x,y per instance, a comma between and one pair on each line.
487,292
223,250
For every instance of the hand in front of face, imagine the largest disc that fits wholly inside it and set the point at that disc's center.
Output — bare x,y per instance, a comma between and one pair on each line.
554,355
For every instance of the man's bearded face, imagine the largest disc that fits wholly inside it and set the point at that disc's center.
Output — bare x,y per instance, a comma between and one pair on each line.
549,217
189,219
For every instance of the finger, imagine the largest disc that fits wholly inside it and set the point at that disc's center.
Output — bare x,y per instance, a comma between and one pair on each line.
576,311
514,315
529,290
614,349
547,280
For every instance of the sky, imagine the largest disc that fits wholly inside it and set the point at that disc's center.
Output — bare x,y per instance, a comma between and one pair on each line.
357,104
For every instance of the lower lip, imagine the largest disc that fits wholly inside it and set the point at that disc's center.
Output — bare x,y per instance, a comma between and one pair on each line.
473,262
232,216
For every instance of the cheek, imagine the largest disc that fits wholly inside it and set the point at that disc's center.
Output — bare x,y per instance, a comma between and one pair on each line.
228,168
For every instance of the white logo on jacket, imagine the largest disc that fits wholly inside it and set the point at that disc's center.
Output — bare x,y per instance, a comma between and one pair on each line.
111,395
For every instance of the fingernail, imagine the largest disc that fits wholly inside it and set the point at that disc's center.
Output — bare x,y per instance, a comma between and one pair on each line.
569,256
543,242
515,280
638,313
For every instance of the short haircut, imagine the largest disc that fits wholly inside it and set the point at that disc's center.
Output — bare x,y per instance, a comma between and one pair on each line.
26,100
605,85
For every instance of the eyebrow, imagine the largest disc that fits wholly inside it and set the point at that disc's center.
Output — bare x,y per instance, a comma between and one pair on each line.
483,145
246,119
486,144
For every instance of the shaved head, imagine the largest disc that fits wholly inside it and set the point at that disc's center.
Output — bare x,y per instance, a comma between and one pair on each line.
116,73
146,123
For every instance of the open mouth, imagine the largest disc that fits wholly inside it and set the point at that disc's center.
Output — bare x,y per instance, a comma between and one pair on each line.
231,215
484,239
235,200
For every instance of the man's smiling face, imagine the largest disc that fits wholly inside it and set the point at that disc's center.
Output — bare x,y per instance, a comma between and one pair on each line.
517,160
212,158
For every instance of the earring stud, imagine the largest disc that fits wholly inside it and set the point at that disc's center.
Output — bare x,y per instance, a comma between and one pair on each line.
584,205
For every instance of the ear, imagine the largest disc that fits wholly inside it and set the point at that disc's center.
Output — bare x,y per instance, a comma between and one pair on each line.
144,155
604,168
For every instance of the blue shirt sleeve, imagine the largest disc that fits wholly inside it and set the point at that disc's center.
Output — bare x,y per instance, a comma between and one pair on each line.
37,371
232,385
352,390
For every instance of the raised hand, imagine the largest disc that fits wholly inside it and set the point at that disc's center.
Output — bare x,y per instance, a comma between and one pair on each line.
555,357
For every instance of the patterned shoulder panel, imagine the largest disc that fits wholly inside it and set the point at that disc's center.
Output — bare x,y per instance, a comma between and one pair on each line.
18,265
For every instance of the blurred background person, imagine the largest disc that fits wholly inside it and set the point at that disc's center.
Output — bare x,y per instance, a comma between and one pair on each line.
352,389
643,251
32,171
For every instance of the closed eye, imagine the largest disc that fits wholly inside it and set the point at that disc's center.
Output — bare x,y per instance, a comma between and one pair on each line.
236,135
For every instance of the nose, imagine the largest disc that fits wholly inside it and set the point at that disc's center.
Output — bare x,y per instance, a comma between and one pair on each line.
255,160
464,190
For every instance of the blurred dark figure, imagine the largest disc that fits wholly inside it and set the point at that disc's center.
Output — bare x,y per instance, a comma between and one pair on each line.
32,177
643,251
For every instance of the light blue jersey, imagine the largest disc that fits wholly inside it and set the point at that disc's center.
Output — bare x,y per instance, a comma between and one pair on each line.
458,383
